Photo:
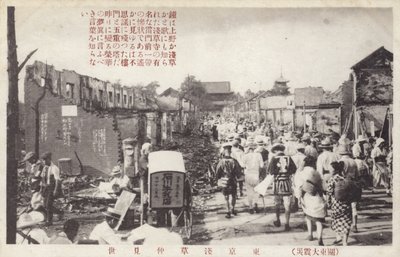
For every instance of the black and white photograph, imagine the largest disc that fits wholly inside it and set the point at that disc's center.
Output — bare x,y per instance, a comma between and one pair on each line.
190,128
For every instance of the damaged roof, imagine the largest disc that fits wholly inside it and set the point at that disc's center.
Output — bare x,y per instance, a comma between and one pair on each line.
308,96
380,58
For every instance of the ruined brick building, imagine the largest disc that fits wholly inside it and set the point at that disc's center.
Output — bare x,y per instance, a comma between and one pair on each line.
86,119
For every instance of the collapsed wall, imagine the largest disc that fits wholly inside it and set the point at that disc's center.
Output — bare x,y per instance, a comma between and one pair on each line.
88,136
95,133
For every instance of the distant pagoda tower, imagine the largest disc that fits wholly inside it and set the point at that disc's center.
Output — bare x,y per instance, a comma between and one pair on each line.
281,81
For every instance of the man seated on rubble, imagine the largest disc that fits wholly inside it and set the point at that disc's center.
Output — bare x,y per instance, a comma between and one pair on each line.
104,232
35,166
70,231
118,181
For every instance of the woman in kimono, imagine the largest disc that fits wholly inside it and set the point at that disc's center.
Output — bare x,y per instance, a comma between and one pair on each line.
380,170
341,212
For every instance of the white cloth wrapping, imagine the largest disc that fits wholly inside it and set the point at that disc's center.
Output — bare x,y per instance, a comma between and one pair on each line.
37,200
262,188
314,205
155,236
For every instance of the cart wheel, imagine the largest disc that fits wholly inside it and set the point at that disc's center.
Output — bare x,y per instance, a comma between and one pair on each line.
188,220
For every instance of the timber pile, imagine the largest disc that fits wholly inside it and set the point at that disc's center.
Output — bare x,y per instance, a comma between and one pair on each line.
200,156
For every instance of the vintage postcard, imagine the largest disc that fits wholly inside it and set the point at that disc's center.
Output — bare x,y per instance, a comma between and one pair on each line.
199,128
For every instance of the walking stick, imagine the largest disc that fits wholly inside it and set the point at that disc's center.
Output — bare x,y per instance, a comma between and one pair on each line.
142,200
265,209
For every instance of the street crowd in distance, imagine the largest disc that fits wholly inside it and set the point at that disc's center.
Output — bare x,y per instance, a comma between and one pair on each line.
321,174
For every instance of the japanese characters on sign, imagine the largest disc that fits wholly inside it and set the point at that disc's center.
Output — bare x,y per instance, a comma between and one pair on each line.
125,38
66,128
166,189
43,127
99,141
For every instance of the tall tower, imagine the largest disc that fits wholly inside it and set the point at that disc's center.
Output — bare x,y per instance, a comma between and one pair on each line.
281,81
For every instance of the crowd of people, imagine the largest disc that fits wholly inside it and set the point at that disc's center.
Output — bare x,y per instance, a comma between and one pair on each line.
321,174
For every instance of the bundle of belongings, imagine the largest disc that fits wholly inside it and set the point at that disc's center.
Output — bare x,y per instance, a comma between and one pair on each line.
27,230
106,233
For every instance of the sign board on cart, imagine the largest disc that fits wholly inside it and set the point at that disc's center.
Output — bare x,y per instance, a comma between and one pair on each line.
166,179
166,189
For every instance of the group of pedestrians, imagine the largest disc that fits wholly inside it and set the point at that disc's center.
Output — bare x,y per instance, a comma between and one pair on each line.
321,174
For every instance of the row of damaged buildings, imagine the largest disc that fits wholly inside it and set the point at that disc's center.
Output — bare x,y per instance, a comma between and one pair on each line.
85,119
361,105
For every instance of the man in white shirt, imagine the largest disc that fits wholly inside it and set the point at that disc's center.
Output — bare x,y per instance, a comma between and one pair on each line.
51,186
357,149
253,162
118,181
299,157
238,155
291,144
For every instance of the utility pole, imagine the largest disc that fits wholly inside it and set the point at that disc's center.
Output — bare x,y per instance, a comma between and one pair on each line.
13,70
12,128
355,116
305,118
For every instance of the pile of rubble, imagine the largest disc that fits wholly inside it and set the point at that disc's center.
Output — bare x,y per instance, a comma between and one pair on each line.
24,191
200,156
68,201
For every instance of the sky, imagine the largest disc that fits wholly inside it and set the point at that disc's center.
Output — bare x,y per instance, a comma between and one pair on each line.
247,46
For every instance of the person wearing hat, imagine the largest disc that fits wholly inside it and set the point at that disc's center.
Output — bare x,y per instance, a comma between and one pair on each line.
147,148
380,171
214,129
350,171
104,232
299,157
334,135
298,160
270,132
239,140
290,144
228,171
230,138
324,161
68,235
238,155
250,139
265,155
35,166
363,170
118,180
358,147
35,170
51,187
282,168
27,232
253,162
309,150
